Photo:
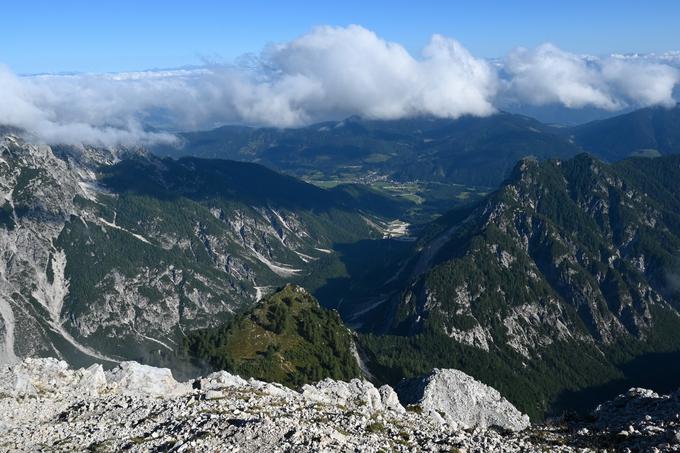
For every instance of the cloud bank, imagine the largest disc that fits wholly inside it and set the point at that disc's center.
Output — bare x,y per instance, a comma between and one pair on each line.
548,75
330,72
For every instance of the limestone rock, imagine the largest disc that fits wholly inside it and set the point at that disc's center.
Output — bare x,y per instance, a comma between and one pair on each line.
39,376
134,378
453,397
390,400
221,380
356,394
46,406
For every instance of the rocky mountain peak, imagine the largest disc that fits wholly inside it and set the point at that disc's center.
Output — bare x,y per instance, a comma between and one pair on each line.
570,255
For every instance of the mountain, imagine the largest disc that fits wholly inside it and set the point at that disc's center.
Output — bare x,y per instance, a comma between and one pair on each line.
109,254
649,131
565,279
287,338
559,114
473,151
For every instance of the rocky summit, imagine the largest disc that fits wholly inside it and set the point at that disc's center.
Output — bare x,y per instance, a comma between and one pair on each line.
45,405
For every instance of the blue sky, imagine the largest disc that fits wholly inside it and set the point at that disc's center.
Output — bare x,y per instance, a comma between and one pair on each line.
51,36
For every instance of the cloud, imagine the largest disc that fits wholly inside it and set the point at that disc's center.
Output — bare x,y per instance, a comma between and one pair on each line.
641,82
352,70
327,73
549,75
70,109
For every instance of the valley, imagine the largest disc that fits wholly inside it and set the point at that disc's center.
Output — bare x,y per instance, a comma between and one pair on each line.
350,227
545,285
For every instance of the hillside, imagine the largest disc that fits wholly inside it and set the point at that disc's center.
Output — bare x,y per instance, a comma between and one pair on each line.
651,131
286,338
112,253
469,151
560,281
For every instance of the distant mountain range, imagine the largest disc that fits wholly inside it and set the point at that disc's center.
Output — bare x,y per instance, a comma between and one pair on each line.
471,150
651,131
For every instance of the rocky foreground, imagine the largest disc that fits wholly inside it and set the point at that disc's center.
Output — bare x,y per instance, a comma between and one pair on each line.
44,405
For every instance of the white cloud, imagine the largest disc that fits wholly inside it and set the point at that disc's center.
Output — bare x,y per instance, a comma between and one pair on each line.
549,75
330,72
352,70
641,82
70,109
326,73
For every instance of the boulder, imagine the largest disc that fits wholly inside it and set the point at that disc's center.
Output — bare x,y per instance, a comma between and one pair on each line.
221,380
390,400
135,378
452,397
358,395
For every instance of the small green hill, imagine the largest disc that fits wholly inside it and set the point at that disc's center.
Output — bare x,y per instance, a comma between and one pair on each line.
286,338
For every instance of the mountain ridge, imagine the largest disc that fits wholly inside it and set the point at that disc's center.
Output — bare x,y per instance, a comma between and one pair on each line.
48,405
566,253
113,244
421,148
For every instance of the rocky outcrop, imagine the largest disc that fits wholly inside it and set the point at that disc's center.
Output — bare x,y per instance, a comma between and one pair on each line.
46,406
34,377
355,395
638,420
452,397
642,415
133,378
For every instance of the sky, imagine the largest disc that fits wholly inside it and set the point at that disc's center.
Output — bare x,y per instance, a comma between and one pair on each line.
134,73
124,35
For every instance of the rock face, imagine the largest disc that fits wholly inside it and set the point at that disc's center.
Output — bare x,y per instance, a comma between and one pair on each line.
563,261
88,255
557,254
453,397
45,405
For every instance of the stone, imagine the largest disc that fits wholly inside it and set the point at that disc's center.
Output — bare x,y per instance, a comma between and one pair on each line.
390,400
140,408
453,397
357,394
221,380
134,378
213,395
